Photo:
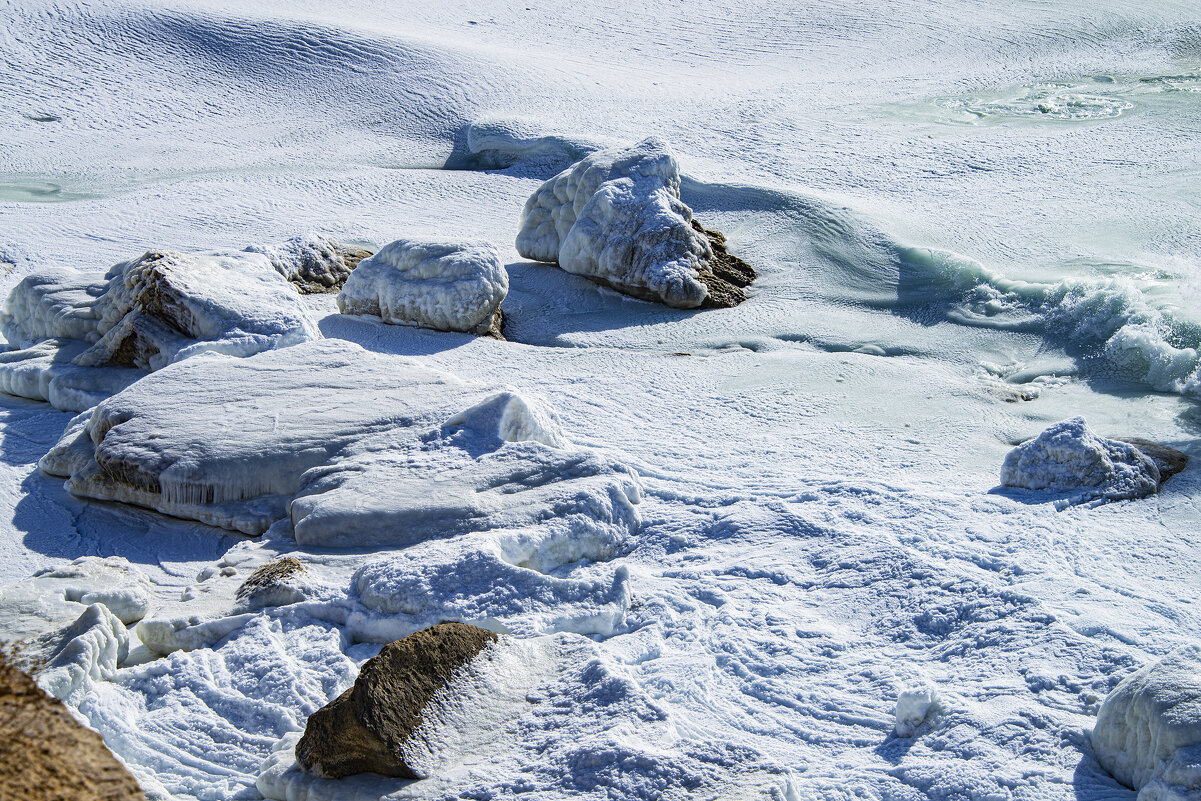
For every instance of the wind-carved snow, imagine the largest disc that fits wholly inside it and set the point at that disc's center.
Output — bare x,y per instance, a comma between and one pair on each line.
616,217
1148,731
447,286
1070,456
82,337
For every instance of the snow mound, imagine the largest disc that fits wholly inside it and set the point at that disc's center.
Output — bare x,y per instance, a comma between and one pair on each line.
87,651
312,262
447,286
226,440
420,587
616,217
1148,731
510,417
55,597
914,707
83,337
1070,456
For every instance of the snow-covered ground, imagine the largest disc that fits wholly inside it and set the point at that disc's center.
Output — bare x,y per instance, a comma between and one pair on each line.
746,551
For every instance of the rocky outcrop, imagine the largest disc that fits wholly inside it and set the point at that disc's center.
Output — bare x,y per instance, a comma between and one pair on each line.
273,584
314,263
616,217
45,754
375,726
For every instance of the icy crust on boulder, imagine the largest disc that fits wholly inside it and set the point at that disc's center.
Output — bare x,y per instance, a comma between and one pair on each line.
616,217
313,263
1148,731
447,286
57,596
1070,456
488,467
81,338
226,440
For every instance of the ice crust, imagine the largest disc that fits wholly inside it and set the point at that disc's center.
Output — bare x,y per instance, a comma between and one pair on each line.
81,338
1148,731
447,286
86,652
56,596
616,216
1070,456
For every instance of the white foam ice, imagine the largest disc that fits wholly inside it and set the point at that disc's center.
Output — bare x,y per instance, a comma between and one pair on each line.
616,216
1070,456
448,286
81,654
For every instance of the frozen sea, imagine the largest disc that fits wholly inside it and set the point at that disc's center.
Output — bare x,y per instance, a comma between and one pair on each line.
970,221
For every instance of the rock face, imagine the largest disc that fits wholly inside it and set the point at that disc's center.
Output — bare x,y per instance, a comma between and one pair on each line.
1070,456
617,218
46,755
447,286
376,725
1148,731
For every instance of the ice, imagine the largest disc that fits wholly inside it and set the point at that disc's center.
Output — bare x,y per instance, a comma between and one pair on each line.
87,651
1070,456
914,707
1148,731
56,596
226,440
616,216
447,286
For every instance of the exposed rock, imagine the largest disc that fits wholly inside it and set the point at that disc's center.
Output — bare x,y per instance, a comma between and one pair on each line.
1169,460
447,286
616,217
45,754
1149,728
272,584
1070,456
375,725
314,263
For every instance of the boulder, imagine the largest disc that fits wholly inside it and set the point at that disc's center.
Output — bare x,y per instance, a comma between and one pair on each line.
1069,455
1148,731
47,755
617,218
375,726
314,263
447,286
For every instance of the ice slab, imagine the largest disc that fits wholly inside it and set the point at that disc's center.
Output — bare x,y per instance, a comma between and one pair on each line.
447,286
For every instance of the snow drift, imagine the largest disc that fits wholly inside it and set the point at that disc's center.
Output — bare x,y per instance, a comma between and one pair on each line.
616,217
447,286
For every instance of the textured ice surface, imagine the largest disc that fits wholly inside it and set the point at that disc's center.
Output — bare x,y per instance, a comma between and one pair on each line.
616,216
1148,732
87,651
56,596
1070,456
226,440
448,286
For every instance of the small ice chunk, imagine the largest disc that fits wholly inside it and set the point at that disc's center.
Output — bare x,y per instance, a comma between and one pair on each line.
914,707
1070,456
1148,731
447,286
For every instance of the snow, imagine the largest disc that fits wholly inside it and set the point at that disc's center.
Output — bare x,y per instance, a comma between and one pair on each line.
86,652
914,707
1149,728
447,286
616,216
56,596
1070,456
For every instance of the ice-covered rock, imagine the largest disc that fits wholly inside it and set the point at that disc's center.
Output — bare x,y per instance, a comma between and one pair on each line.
1148,731
447,286
314,263
616,217
276,583
914,707
1070,456
55,597
81,337
45,753
226,440
388,722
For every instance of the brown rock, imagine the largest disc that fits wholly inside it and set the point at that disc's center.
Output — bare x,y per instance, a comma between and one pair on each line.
1169,460
371,726
728,275
46,754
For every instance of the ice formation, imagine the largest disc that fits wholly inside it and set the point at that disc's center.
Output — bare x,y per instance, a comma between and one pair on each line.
1070,456
81,338
616,217
914,707
1148,731
57,596
87,651
314,263
447,286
